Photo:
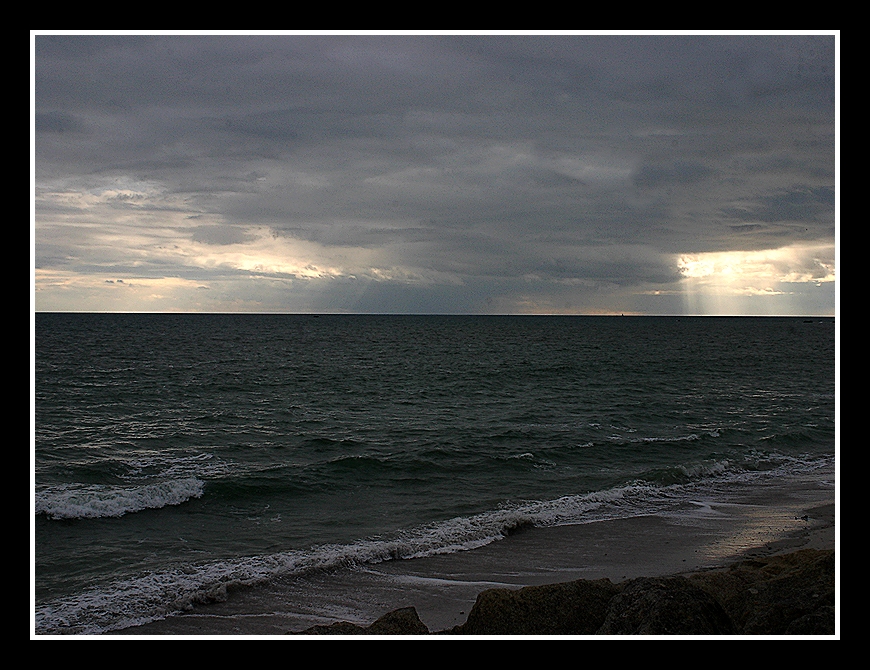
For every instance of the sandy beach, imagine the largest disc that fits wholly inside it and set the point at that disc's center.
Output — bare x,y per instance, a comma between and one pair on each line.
764,522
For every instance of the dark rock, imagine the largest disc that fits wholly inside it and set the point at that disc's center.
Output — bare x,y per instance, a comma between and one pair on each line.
570,608
664,606
404,621
789,594
337,628
818,622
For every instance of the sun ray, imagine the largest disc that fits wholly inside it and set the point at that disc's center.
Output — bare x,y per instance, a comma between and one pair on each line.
761,281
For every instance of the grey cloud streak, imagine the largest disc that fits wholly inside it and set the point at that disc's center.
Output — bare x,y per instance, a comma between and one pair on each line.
480,171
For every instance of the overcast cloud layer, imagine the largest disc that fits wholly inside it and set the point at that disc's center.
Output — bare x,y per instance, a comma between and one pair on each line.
449,174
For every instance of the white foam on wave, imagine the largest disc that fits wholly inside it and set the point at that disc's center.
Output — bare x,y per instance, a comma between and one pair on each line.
160,594
79,501
157,595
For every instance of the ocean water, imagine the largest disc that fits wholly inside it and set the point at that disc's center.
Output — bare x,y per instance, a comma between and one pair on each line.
180,458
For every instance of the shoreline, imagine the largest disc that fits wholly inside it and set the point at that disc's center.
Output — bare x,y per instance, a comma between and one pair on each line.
787,588
443,589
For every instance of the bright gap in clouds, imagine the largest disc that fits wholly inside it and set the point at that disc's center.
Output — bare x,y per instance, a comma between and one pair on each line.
770,281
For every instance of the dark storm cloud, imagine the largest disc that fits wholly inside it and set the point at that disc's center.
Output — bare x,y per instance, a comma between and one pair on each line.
53,122
494,159
795,204
678,171
220,235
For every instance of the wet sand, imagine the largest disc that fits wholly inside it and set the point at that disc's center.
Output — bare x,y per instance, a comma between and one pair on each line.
709,535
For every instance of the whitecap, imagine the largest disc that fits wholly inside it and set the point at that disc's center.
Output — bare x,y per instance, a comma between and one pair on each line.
81,501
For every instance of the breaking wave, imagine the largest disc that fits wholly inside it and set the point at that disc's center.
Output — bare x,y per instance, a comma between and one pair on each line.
78,501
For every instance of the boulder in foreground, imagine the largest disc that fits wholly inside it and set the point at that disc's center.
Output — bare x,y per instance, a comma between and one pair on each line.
404,621
790,594
665,606
570,608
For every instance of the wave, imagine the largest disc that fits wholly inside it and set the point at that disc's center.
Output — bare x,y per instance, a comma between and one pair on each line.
171,466
79,501
157,595
688,437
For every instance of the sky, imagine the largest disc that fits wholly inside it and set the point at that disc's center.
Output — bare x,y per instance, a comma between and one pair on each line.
435,173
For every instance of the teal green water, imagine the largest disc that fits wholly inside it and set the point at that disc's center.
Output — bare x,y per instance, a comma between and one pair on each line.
179,453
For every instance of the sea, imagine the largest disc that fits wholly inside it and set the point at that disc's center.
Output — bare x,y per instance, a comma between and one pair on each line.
182,462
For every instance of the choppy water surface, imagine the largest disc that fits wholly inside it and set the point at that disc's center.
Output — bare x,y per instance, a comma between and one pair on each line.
179,454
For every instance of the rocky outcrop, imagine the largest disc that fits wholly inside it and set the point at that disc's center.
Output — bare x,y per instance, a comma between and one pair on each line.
791,594
570,608
665,606
404,621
